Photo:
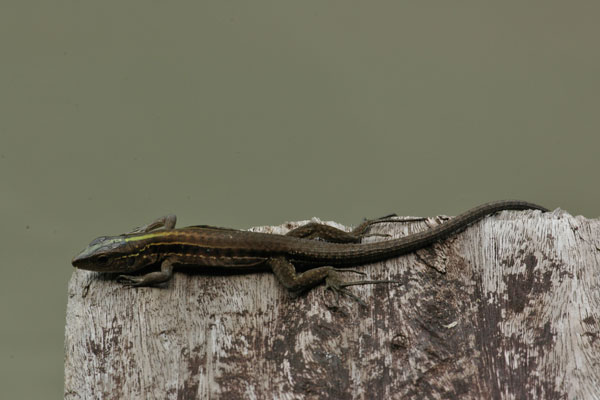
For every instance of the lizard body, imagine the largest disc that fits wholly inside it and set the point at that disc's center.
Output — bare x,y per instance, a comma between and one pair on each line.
204,246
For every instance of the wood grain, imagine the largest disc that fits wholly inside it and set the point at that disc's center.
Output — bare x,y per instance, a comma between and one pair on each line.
507,309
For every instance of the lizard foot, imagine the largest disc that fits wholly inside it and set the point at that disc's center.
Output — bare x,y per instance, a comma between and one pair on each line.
151,279
337,285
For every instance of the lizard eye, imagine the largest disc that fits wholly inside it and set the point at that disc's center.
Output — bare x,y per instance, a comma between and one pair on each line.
131,261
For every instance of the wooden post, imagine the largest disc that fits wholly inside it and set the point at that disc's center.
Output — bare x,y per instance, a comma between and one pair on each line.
509,308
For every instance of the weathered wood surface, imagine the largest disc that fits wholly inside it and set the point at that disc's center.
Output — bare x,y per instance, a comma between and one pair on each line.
509,308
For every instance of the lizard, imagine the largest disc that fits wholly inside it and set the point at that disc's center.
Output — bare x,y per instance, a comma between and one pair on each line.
226,250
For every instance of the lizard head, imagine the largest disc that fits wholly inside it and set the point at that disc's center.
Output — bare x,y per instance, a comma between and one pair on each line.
109,254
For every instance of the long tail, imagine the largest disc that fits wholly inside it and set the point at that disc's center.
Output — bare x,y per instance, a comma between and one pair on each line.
370,252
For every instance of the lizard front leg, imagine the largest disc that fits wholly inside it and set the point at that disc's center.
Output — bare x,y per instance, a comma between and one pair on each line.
167,222
152,278
295,282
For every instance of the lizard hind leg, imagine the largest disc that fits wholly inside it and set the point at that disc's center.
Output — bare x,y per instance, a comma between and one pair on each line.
337,285
314,230
327,233
295,282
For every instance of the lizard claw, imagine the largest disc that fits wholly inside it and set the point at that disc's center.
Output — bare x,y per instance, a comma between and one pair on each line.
376,234
334,283
150,279
349,270
337,290
130,280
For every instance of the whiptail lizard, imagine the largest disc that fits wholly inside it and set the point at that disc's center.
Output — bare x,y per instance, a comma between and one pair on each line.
204,246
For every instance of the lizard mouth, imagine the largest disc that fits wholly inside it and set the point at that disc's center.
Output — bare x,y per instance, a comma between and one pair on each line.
76,261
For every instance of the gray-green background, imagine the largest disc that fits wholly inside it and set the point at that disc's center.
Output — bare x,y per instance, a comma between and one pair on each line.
241,113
